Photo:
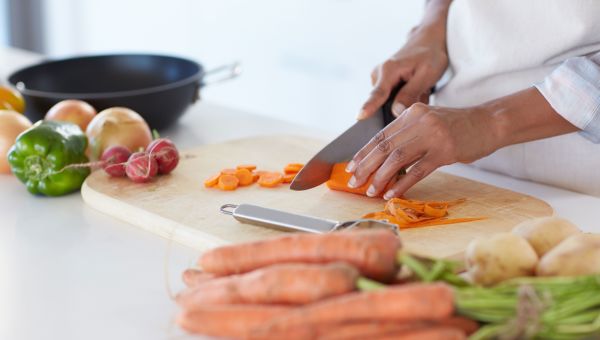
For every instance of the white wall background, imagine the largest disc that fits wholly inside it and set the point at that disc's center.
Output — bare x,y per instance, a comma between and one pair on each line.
306,61
3,23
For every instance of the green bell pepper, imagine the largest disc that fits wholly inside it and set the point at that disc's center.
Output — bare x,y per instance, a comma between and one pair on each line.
42,153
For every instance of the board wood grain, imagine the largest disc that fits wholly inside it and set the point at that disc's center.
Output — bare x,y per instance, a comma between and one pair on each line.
178,207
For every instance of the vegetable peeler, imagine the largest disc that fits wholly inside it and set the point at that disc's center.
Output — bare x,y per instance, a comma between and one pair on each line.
281,220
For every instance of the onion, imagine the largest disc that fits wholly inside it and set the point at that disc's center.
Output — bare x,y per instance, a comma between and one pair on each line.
117,126
12,124
72,110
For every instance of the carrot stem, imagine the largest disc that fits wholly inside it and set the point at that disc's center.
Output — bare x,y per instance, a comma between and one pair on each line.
365,285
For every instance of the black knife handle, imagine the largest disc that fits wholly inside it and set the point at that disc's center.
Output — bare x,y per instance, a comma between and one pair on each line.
388,116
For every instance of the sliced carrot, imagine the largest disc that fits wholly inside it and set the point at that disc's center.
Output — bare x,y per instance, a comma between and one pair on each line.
212,180
228,172
339,180
270,179
250,167
245,176
435,222
228,182
293,168
288,178
412,213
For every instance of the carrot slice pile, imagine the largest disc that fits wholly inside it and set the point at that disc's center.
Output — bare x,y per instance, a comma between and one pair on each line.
408,213
246,174
228,182
270,179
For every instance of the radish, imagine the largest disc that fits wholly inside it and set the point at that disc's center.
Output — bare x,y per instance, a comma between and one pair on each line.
165,153
141,167
115,159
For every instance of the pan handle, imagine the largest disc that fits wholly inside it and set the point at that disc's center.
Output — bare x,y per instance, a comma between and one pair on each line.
233,70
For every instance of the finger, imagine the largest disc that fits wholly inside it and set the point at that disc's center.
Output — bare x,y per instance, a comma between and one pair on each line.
400,158
416,173
380,153
392,128
378,138
411,92
374,75
387,78
424,98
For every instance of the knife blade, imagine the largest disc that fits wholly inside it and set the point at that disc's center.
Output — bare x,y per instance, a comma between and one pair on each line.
341,149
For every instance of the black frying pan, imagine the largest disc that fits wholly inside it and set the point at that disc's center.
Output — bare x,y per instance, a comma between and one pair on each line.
160,88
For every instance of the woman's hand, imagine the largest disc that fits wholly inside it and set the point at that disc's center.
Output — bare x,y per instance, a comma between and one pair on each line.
420,64
425,138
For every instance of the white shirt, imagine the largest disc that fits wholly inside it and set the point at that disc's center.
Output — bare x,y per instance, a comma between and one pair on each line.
498,47
573,90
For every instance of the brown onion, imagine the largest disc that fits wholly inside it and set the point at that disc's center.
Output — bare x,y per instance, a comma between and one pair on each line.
72,110
117,126
12,124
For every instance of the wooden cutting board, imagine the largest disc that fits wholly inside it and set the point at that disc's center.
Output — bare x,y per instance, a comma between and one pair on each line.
178,207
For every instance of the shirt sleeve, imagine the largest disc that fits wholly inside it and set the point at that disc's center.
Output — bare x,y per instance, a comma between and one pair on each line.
573,90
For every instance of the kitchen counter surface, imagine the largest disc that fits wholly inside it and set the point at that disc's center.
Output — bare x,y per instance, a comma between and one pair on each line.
70,272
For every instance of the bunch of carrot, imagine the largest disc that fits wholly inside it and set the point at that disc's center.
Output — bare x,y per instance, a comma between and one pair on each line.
408,213
246,174
306,286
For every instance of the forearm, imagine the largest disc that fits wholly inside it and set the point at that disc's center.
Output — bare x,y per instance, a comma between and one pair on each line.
521,117
435,18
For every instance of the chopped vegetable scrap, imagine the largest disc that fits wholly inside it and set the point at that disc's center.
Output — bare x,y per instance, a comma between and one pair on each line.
408,213
246,174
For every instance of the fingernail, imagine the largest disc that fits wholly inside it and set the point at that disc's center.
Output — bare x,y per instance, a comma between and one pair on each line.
371,191
350,167
388,195
397,109
352,182
362,114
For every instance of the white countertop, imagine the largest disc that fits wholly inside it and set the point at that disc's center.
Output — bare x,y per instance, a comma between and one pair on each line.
70,272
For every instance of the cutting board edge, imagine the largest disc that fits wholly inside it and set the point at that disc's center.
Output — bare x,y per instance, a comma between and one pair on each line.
149,221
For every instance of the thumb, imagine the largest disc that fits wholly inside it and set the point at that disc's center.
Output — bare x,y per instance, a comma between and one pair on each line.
411,92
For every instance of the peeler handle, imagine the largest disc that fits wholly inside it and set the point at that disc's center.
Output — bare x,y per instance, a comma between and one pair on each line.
271,218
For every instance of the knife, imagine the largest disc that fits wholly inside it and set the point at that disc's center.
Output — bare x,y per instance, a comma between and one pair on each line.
345,146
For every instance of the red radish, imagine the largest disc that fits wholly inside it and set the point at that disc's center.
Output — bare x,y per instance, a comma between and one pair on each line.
141,167
115,159
165,153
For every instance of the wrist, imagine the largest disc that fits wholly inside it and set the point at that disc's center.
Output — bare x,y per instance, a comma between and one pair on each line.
493,126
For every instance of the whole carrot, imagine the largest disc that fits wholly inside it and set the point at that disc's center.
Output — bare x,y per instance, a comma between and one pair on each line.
430,333
233,321
373,252
193,277
366,330
406,303
468,326
278,284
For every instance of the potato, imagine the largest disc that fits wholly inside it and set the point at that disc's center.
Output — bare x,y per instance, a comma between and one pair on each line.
500,257
577,255
545,233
